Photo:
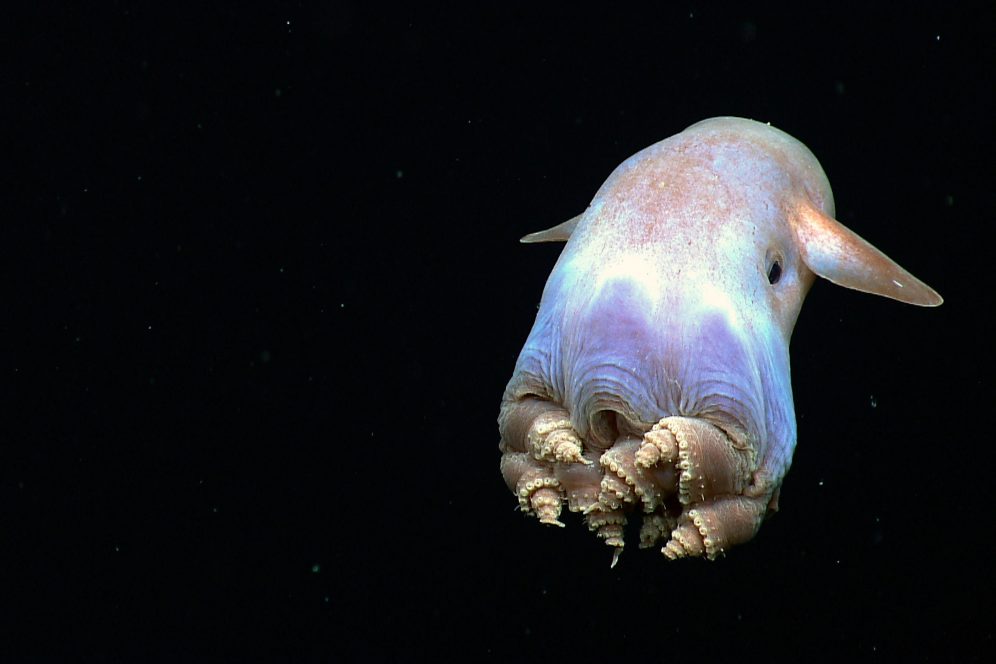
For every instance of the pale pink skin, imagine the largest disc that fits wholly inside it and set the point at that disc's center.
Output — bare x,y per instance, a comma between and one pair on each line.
660,310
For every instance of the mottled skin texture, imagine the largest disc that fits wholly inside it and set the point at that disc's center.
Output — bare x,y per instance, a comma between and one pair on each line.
656,376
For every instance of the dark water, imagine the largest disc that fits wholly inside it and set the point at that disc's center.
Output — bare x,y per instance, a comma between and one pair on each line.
264,291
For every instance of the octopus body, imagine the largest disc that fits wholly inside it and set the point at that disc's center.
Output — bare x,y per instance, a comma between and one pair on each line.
655,380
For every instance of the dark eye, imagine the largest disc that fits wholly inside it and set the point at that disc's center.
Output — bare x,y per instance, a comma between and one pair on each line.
774,270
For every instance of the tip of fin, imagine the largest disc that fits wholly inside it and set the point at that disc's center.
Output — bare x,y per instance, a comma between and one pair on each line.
559,233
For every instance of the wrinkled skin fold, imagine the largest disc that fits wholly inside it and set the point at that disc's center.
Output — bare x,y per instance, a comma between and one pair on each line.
655,380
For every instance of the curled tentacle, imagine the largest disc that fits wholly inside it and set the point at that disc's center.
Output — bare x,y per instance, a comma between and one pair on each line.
711,528
542,428
614,493
553,439
546,502
535,485
649,485
659,444
709,462
609,526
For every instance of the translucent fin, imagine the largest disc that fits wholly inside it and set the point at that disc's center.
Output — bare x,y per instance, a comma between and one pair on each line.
559,233
841,256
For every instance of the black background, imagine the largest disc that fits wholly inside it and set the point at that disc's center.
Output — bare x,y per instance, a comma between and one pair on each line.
264,291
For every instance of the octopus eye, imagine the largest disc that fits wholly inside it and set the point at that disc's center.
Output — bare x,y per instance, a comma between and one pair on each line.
774,268
774,273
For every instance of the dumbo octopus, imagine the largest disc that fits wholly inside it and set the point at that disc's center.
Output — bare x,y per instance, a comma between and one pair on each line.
656,376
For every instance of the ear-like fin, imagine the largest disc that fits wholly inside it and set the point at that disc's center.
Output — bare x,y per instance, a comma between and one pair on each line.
559,233
840,255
